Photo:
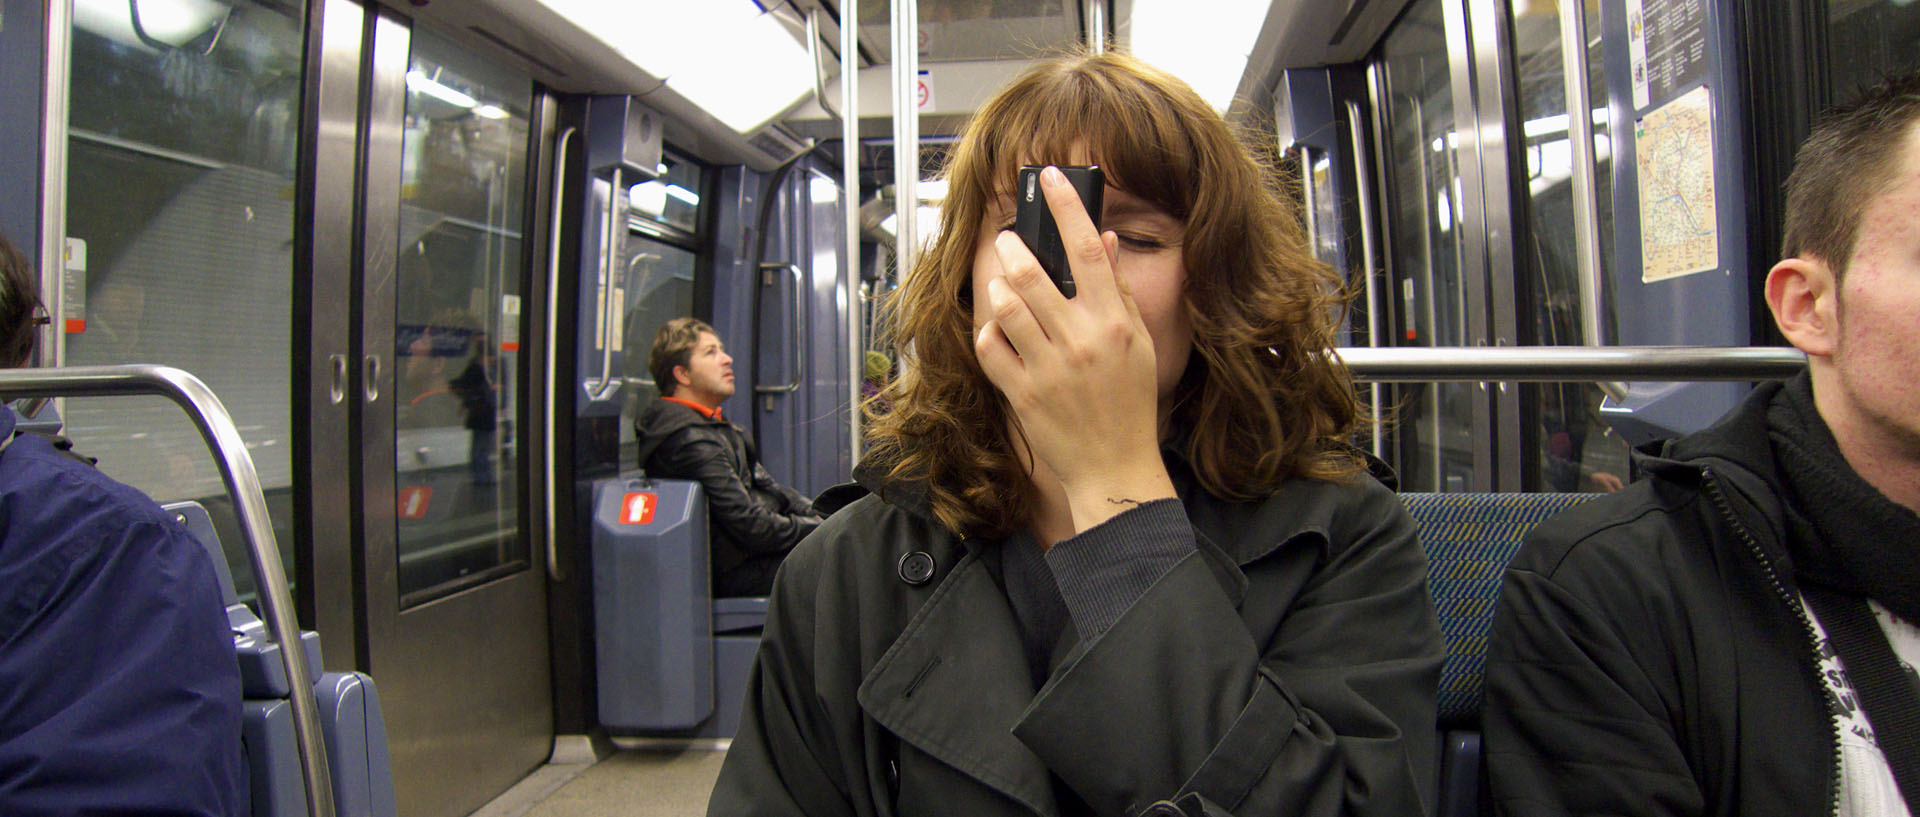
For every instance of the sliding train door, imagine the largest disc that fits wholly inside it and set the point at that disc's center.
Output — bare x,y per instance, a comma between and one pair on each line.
1495,166
454,587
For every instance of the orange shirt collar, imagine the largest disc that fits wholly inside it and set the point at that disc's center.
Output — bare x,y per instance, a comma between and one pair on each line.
709,413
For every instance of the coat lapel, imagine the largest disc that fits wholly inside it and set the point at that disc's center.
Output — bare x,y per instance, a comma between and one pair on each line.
954,684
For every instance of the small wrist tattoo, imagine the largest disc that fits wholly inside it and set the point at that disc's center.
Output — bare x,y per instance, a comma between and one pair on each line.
1122,501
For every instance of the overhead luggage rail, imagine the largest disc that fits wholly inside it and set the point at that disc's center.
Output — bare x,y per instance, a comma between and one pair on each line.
1570,363
243,482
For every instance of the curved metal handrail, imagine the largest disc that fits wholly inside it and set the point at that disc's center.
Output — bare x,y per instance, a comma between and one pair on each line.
820,68
1541,364
551,438
243,482
799,314
604,387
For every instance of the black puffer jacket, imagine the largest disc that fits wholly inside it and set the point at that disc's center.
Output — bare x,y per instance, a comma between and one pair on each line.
753,518
1651,655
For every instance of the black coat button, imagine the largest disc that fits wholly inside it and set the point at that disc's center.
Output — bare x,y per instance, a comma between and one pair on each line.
916,568
1163,809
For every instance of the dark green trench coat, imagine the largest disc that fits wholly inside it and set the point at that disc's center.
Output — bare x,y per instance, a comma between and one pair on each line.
1288,666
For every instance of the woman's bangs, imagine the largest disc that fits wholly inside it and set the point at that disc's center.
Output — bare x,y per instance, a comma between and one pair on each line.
1055,119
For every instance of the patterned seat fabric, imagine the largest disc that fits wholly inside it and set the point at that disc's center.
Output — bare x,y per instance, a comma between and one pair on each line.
1469,538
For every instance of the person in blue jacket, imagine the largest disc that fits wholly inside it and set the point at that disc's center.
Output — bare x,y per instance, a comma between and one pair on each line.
119,691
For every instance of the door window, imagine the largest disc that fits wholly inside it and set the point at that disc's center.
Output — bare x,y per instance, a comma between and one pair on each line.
182,139
1435,421
1572,448
459,372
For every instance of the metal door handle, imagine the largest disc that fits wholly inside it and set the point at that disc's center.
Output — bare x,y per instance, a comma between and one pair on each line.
799,313
554,573
370,374
604,386
337,385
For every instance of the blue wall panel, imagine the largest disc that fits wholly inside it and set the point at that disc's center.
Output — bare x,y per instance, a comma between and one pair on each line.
20,49
1704,309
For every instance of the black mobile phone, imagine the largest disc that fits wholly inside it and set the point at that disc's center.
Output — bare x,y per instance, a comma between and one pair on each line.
1035,225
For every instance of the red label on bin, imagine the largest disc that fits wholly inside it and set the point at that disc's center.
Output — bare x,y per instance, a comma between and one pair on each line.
637,508
413,501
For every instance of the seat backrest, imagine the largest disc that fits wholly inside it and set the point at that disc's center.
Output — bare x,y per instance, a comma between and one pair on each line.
1469,538
351,722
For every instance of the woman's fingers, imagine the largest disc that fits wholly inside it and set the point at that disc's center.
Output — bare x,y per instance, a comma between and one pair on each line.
1086,252
1024,275
997,357
1015,320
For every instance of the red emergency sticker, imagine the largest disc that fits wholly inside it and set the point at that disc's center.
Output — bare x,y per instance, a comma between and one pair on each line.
637,508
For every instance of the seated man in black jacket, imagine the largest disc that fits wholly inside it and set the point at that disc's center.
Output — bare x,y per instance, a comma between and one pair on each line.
1736,634
754,520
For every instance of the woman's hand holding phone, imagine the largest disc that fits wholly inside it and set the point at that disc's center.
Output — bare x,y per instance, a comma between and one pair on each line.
1079,373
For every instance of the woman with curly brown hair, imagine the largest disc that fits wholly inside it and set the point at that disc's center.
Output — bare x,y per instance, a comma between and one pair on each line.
1119,554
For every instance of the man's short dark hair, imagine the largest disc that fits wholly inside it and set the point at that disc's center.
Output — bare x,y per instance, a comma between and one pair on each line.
1851,157
19,303
673,346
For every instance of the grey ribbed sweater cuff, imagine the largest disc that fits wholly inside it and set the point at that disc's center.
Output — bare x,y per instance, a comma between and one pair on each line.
1103,571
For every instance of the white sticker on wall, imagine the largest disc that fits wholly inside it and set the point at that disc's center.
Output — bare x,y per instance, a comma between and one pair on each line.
509,323
73,286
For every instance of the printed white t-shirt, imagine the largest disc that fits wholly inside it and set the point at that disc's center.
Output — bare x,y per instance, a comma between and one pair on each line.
1867,788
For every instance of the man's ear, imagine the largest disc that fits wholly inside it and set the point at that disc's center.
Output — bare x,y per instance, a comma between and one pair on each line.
1805,300
683,375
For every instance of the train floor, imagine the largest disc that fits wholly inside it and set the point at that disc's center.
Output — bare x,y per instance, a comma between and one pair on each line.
649,779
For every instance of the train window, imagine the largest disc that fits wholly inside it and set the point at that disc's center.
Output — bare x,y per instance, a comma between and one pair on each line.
1868,39
459,372
1575,452
674,198
659,289
182,144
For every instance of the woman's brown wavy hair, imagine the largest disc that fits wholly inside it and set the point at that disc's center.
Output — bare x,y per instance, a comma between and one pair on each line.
1260,401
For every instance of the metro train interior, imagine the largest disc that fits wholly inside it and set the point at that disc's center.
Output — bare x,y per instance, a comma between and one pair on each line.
419,248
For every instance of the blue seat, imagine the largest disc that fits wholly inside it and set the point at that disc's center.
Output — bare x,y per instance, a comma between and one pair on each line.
351,721
1469,538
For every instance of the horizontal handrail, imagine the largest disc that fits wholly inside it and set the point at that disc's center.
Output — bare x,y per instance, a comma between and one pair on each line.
236,469
1550,364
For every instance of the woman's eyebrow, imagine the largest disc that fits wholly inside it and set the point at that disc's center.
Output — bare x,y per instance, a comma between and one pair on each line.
1119,206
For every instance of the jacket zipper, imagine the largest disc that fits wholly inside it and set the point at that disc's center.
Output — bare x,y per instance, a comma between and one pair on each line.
1806,627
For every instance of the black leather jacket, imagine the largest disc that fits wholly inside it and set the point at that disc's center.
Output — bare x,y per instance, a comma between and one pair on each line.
751,516
1650,654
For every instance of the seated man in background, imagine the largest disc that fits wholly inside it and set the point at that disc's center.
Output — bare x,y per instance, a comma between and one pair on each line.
1736,634
755,520
119,691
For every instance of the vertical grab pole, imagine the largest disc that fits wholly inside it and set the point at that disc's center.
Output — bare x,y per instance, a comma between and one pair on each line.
54,104
1586,222
1369,257
1096,21
850,208
906,133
